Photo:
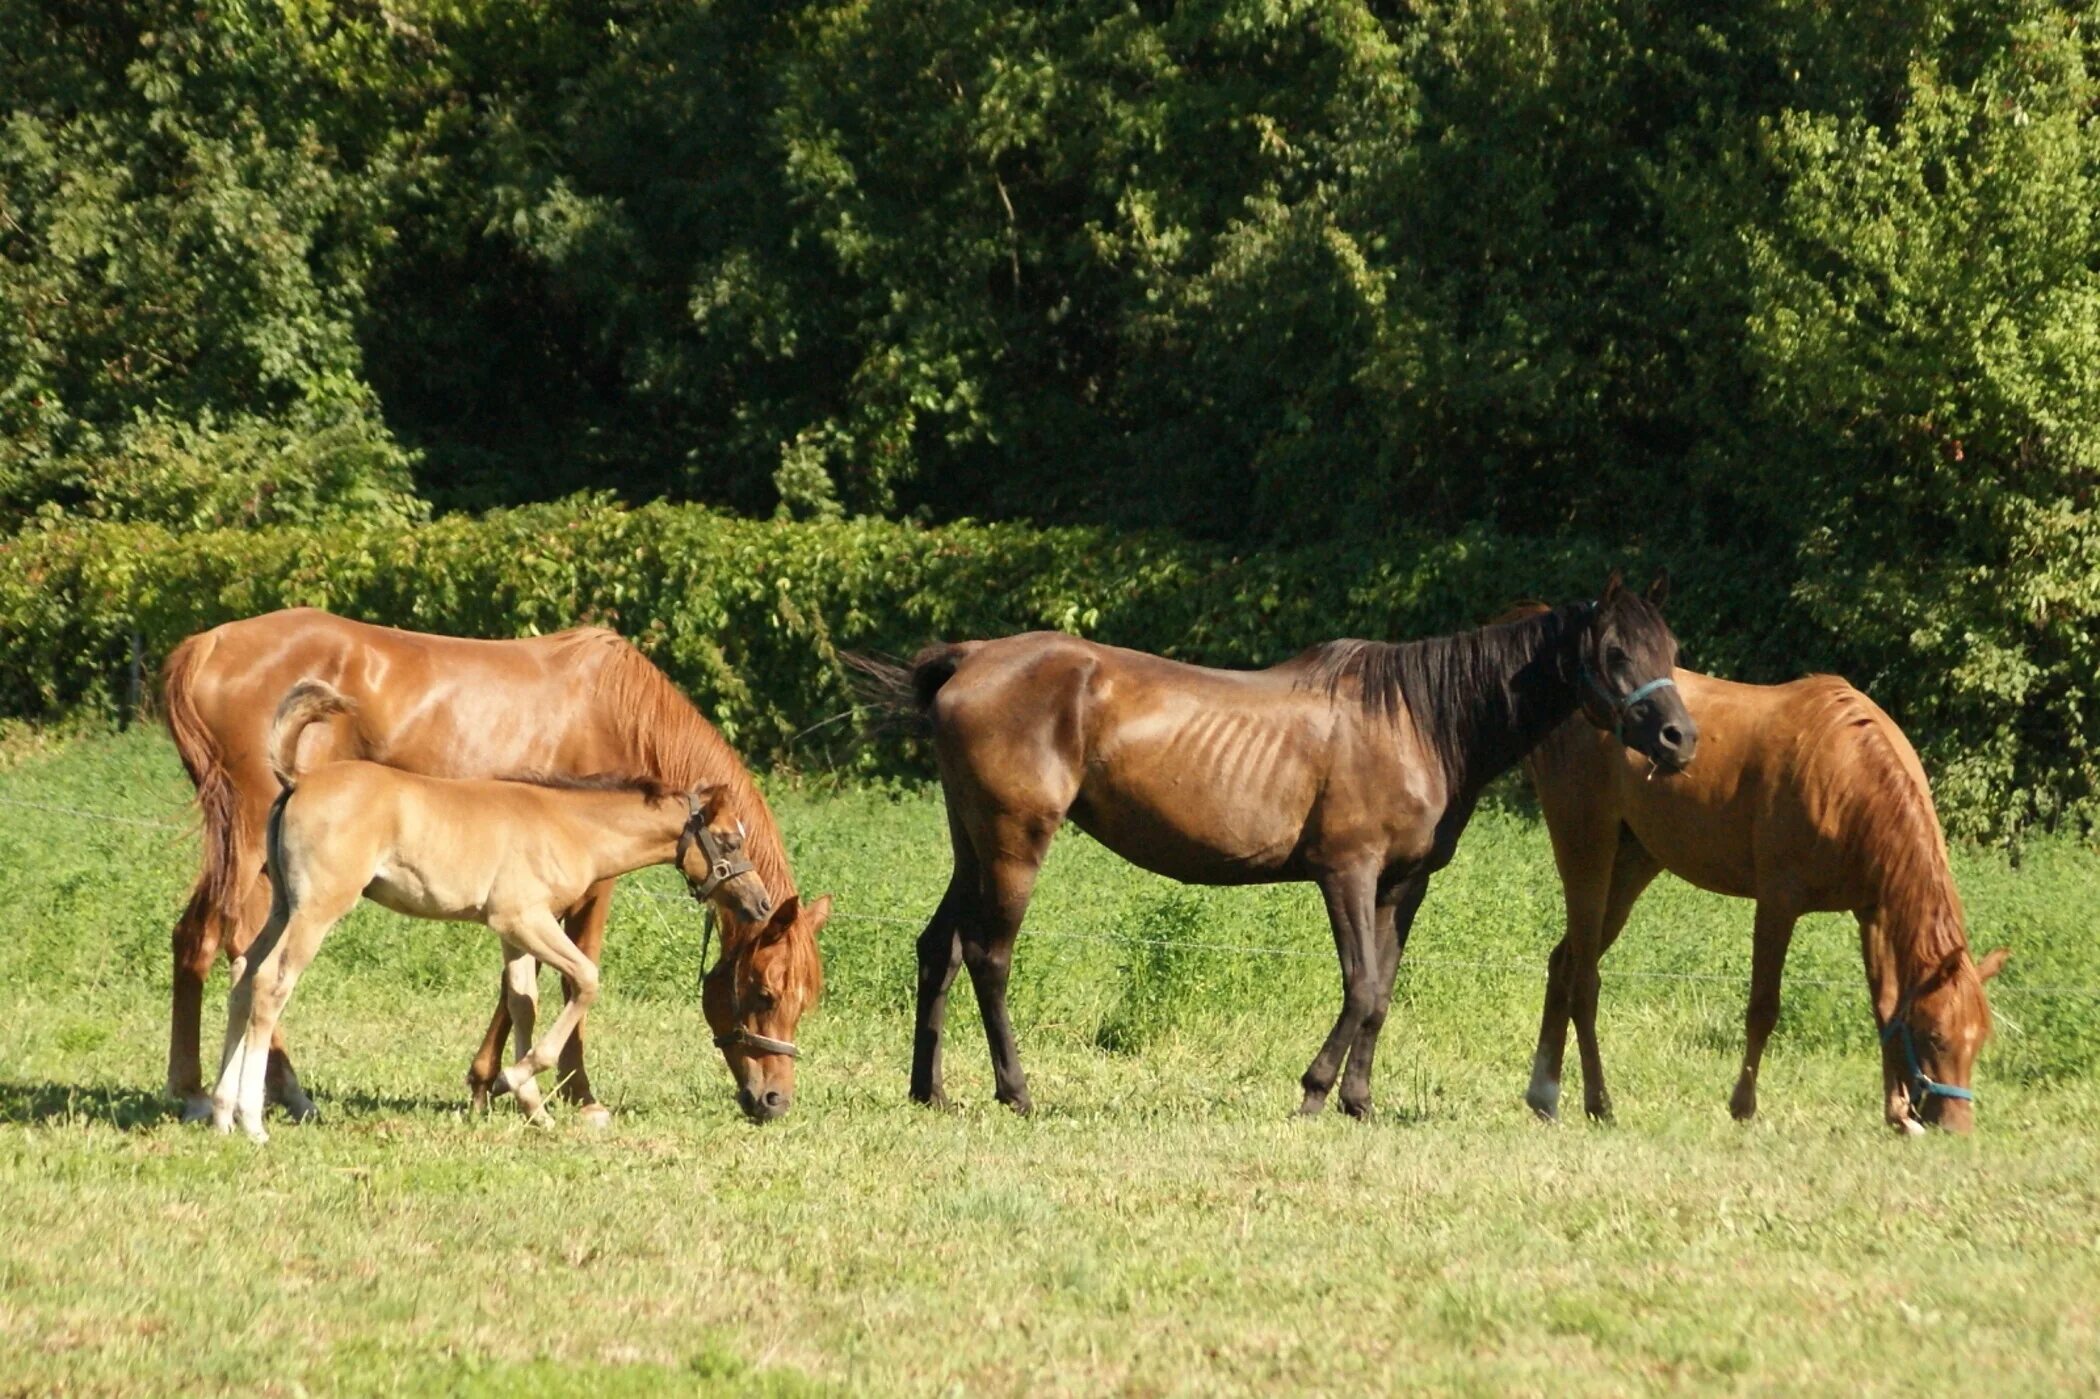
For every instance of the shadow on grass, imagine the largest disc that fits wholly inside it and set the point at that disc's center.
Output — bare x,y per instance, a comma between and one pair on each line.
52,1104
132,1109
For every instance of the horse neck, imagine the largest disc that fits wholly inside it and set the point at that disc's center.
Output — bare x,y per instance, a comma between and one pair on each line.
1494,694
1897,837
631,832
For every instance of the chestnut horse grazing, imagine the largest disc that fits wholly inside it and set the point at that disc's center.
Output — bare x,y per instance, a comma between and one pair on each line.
1806,798
574,703
507,855
1355,766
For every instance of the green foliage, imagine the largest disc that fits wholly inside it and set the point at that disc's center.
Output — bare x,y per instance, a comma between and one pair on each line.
749,616
1801,300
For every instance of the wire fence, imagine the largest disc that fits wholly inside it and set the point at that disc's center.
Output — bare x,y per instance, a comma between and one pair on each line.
1185,944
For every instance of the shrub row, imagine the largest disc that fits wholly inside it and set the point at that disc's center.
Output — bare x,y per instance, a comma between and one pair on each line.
749,616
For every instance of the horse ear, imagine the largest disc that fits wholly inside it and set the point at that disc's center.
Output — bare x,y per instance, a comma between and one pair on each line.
1993,962
1611,588
819,913
1659,590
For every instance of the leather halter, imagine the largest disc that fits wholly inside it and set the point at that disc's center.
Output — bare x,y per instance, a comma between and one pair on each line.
723,865
739,1037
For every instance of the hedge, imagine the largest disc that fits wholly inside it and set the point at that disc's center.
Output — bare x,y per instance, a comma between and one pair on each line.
749,616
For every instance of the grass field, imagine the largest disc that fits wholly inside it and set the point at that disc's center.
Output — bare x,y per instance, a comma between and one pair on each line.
1160,1225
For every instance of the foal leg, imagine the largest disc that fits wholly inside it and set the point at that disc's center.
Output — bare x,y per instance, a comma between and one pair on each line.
536,934
267,981
521,997
1352,909
1775,933
1396,918
585,925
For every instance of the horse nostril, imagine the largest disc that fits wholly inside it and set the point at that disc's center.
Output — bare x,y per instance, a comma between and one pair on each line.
775,1100
1673,735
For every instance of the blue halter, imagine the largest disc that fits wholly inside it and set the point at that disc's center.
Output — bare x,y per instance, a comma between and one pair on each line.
1922,1085
1619,707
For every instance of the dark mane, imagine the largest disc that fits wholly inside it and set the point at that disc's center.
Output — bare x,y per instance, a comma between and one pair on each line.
650,787
1479,698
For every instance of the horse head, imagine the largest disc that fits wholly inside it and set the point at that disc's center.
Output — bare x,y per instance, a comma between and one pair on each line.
1929,1045
1625,654
754,996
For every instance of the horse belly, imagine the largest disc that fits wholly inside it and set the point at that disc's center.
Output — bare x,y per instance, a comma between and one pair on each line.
1183,818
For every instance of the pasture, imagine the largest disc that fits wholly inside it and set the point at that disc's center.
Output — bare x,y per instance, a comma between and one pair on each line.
1160,1225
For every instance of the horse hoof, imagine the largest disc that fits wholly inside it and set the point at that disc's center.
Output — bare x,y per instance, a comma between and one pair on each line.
1021,1106
595,1115
302,1110
196,1109
1361,1111
1911,1127
1313,1106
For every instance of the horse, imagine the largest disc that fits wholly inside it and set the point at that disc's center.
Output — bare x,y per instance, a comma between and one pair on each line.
574,702
1354,766
509,855
1806,798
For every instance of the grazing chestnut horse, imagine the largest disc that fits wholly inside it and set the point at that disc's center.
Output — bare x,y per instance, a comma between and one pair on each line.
508,855
576,702
1808,799
1355,766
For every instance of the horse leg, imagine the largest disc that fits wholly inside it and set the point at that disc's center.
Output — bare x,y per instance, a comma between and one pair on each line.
526,937
1775,933
196,947
1585,849
1396,918
1352,910
988,943
488,1059
1632,871
940,955
585,926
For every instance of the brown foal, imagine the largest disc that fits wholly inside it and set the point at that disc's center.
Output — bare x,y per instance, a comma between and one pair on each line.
1806,798
1355,766
575,702
508,855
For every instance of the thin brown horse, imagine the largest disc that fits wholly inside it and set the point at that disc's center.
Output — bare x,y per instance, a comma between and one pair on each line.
1806,798
576,702
1355,766
509,855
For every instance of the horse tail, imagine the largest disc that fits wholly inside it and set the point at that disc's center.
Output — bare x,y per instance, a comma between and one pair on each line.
901,696
217,800
308,702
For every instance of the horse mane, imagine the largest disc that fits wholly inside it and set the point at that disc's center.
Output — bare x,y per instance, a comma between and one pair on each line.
1456,689
655,789
669,741
1895,830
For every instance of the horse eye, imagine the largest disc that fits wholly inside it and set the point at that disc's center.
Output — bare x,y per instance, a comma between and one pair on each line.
762,1000
1616,656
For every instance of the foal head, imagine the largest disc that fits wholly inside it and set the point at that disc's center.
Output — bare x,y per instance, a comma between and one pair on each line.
754,996
1625,652
711,857
1930,1044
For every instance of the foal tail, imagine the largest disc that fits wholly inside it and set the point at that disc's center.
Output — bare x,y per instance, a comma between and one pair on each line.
308,702
902,695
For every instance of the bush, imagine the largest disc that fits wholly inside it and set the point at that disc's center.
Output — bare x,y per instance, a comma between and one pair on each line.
750,616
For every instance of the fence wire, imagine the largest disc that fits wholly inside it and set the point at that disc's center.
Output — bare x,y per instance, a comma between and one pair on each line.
1188,944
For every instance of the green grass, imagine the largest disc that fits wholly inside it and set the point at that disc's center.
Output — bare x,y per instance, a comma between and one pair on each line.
1160,1225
